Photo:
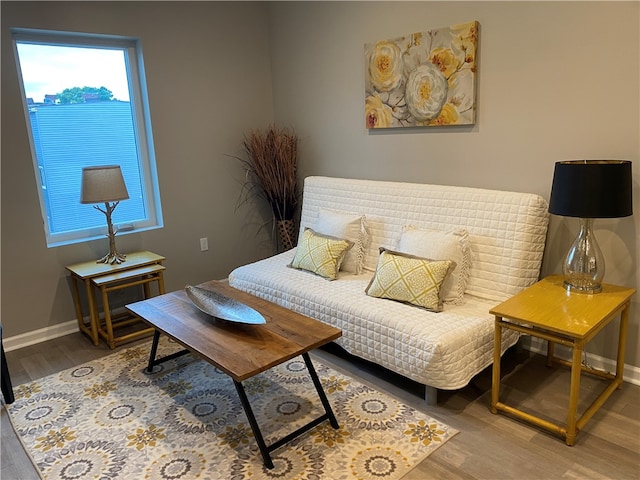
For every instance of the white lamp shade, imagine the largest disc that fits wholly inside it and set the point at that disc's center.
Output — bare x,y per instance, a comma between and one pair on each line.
103,184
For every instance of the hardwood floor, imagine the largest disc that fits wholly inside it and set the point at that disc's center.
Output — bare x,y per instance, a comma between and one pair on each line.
487,447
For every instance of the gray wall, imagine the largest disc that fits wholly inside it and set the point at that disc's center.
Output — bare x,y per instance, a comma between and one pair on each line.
209,81
557,80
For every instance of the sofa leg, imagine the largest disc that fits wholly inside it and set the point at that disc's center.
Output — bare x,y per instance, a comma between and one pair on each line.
431,395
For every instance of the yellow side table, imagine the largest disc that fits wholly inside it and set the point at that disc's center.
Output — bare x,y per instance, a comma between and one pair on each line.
548,311
140,268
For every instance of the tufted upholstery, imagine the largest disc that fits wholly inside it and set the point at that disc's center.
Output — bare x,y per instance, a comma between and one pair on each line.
507,233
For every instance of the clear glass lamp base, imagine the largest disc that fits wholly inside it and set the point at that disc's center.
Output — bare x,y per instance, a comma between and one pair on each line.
583,266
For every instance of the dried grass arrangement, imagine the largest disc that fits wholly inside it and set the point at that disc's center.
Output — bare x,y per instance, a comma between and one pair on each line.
270,165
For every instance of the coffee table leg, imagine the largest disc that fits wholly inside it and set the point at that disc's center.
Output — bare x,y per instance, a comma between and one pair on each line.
264,450
153,361
154,350
321,394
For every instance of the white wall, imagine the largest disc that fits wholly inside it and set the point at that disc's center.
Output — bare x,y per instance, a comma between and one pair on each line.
209,81
556,81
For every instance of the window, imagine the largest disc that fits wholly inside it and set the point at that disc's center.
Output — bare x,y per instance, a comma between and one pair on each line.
86,105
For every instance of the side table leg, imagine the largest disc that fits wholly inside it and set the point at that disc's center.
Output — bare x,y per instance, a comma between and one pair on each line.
90,331
107,317
495,375
146,290
622,342
160,283
550,349
93,311
574,392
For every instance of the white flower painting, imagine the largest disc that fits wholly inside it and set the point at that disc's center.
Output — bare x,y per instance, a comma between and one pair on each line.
422,80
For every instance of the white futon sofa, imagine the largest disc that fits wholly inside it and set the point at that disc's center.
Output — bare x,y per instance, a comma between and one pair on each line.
495,238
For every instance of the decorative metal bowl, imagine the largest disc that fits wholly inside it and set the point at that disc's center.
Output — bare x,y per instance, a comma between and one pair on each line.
225,308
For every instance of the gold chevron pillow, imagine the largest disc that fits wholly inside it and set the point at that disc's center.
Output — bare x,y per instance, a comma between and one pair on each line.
320,254
410,279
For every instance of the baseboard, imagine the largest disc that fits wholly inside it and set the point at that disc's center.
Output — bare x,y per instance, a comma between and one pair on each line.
40,335
47,333
536,345
631,374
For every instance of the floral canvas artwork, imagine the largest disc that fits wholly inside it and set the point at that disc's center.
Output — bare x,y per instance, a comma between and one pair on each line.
424,79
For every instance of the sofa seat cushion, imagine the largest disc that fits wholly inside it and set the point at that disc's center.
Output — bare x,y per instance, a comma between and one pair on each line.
444,350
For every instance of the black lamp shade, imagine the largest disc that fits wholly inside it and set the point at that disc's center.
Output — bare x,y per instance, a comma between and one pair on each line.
592,189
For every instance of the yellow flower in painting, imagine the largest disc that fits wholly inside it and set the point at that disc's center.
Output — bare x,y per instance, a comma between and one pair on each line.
415,40
143,438
448,116
377,114
446,61
385,66
426,92
465,41
55,439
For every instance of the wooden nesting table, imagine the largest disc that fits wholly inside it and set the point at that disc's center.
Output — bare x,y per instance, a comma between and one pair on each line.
547,310
140,268
240,350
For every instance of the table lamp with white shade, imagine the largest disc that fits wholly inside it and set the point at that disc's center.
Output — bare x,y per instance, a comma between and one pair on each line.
105,184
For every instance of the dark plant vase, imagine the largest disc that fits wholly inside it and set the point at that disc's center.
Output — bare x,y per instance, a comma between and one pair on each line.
286,234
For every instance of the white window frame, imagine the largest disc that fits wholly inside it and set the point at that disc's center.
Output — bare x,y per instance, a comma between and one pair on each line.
141,124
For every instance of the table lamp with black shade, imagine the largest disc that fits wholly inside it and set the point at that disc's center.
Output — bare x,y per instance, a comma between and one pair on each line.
105,184
589,189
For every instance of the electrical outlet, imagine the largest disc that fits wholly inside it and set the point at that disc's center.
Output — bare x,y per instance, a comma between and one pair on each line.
204,244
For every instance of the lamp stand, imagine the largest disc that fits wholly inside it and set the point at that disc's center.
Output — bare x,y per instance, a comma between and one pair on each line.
113,257
583,266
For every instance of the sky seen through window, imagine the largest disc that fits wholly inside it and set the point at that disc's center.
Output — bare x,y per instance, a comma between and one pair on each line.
48,70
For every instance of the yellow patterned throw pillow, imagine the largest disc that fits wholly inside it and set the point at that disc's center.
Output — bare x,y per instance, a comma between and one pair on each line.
410,279
320,254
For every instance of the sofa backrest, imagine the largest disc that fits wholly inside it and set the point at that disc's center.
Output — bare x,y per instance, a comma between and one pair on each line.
507,230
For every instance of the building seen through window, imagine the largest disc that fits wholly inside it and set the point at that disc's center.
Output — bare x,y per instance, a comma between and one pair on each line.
85,105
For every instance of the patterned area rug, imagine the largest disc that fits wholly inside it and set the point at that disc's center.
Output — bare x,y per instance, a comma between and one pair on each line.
107,419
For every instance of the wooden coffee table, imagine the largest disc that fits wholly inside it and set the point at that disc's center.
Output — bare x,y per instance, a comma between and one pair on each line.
240,350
